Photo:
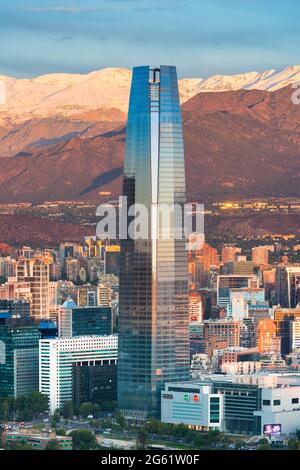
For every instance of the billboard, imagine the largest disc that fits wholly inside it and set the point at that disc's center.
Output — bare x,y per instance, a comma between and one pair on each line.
272,429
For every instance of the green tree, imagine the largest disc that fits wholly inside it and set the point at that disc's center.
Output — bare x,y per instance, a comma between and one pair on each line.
83,439
238,445
53,445
5,410
293,444
55,418
68,410
264,444
61,432
120,419
142,439
86,409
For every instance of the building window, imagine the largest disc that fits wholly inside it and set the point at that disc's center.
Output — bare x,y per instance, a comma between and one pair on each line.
276,402
266,402
295,401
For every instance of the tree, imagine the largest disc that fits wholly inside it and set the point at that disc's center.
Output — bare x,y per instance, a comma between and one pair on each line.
68,410
264,444
293,444
5,410
83,439
61,432
30,406
120,419
238,445
53,445
55,418
142,439
88,408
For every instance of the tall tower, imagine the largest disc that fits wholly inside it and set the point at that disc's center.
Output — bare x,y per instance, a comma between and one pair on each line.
36,273
153,317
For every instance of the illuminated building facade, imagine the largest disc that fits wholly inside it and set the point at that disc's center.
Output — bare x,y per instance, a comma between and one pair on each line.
153,313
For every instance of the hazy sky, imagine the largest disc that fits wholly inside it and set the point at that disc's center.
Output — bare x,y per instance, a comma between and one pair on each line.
201,37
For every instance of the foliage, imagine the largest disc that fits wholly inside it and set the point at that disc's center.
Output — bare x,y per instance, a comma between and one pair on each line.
264,444
61,432
83,439
53,445
88,408
23,407
142,439
293,444
180,431
55,418
68,410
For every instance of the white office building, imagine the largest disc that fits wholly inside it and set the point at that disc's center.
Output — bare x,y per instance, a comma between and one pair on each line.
193,404
57,357
254,404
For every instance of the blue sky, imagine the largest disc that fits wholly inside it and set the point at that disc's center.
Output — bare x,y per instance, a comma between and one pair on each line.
201,37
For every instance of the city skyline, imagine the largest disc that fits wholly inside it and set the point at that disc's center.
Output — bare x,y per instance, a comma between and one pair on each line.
149,228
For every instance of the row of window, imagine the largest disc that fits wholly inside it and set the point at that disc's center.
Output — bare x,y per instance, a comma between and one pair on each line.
294,401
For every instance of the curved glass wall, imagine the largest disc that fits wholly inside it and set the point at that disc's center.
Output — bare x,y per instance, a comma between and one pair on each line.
153,315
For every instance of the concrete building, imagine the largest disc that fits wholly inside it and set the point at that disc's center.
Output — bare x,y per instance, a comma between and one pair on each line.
223,330
59,356
19,358
83,321
193,404
295,334
233,281
248,404
12,439
36,273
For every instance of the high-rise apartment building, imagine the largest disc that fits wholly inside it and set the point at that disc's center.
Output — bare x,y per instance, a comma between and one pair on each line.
74,321
233,281
268,342
288,285
228,253
19,358
153,316
223,330
260,255
87,296
36,273
295,334
195,307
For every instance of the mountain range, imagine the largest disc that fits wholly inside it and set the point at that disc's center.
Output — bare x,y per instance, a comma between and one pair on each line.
77,94
62,136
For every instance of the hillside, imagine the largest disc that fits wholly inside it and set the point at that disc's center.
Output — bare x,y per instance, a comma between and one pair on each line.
238,144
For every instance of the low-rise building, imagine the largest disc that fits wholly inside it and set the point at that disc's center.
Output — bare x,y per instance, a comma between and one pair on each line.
243,404
194,404
13,439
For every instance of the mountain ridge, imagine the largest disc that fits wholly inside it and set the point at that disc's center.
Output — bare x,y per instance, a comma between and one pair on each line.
238,144
70,95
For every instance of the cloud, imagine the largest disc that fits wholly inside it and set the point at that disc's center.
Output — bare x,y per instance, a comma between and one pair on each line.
64,38
64,9
160,7
103,37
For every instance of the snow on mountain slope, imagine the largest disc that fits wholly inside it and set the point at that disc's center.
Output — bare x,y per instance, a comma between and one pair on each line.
69,95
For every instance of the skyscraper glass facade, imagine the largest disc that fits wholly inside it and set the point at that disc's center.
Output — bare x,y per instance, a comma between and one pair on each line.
153,318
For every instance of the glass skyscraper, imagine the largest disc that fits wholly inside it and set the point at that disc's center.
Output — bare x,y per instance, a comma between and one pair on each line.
153,317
